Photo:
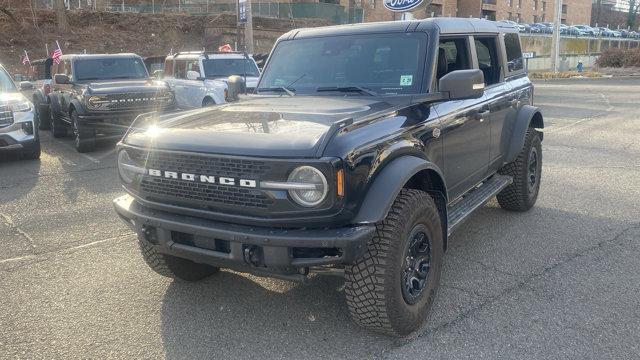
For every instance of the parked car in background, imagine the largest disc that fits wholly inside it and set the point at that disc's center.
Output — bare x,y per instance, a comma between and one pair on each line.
40,76
102,94
606,32
199,79
18,131
588,30
542,28
154,64
575,31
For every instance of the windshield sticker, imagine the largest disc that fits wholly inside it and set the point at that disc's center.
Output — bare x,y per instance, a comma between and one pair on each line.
406,80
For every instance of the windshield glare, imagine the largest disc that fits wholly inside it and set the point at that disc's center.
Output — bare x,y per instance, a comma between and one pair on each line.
104,69
6,84
386,64
228,67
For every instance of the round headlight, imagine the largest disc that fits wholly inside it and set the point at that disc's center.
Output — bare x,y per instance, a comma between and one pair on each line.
127,168
316,187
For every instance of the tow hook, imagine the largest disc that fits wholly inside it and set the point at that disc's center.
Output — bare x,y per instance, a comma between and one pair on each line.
253,255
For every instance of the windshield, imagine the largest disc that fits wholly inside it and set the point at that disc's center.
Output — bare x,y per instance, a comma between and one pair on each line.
6,84
228,67
110,68
384,63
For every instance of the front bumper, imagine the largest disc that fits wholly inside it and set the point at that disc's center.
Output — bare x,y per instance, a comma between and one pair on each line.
284,253
117,121
19,135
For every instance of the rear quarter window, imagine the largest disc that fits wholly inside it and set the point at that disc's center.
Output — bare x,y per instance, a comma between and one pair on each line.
514,52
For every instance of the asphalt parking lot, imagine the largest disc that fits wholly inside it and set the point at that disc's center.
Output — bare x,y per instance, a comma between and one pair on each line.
560,281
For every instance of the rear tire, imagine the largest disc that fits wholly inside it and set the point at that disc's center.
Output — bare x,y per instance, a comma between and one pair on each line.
391,288
526,171
208,102
58,127
173,267
84,139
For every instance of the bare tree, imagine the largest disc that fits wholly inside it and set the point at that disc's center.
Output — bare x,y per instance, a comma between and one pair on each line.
632,14
61,15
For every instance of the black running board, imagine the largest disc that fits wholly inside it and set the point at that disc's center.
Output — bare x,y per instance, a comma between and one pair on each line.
475,198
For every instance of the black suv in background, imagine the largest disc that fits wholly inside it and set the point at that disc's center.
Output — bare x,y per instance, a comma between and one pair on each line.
102,94
364,148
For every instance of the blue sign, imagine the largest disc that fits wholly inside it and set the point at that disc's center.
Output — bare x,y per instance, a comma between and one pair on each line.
401,5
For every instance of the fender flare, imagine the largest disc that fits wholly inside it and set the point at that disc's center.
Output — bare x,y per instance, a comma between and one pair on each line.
77,105
387,185
527,115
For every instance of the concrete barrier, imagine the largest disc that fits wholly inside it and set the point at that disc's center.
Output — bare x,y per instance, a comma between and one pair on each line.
572,50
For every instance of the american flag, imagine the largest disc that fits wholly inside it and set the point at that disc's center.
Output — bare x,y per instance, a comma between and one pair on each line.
25,59
57,54
225,48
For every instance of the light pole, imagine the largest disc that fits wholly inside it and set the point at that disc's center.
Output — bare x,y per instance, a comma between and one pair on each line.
555,41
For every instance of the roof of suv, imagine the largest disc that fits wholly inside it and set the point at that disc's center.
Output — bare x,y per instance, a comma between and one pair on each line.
100,56
442,25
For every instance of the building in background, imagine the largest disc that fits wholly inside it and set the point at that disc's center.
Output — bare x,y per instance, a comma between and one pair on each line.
525,11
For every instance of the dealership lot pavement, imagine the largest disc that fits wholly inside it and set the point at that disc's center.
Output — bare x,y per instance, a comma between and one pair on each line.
561,281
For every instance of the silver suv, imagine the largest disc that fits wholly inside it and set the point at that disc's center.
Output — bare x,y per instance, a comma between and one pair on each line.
18,131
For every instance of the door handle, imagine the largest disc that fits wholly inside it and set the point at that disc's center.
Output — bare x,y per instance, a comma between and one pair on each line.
481,114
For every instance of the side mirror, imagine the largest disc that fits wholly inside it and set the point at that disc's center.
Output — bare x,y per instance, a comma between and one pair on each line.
158,74
463,84
236,86
26,85
193,75
61,79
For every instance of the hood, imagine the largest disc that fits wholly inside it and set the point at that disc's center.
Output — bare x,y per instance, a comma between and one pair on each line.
271,126
119,86
10,97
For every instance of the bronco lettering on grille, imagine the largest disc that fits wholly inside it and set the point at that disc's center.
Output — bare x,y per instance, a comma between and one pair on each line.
207,179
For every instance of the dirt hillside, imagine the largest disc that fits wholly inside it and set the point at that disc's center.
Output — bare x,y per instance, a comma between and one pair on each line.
107,32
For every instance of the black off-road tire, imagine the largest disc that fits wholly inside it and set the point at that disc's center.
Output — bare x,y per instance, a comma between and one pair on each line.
173,267
520,195
208,102
32,151
374,284
58,127
84,139
42,116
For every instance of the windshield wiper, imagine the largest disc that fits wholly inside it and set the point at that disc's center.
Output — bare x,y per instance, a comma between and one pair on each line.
348,89
290,92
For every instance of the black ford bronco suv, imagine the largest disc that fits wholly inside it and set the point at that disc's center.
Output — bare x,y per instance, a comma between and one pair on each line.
362,149
102,94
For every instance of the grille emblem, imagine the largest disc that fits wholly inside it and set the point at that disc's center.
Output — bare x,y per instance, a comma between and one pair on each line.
206,179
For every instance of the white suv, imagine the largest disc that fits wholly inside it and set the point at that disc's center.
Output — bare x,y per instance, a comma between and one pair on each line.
200,79
17,128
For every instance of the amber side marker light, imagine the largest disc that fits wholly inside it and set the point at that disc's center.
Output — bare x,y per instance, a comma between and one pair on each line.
340,182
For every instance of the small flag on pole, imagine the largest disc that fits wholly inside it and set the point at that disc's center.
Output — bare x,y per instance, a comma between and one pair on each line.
57,53
225,48
25,59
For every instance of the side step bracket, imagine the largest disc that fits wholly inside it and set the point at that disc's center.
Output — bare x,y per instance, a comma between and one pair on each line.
475,198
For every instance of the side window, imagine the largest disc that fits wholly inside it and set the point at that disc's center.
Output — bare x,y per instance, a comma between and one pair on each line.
168,67
180,69
514,53
488,60
452,55
194,65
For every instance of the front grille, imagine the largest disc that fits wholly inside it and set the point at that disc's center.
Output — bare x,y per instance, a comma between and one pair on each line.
136,100
203,195
6,115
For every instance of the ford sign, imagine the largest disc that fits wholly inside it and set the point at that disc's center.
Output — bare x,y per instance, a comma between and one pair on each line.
401,5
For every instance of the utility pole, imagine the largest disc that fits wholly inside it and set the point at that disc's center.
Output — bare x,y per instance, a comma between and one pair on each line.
248,29
555,42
